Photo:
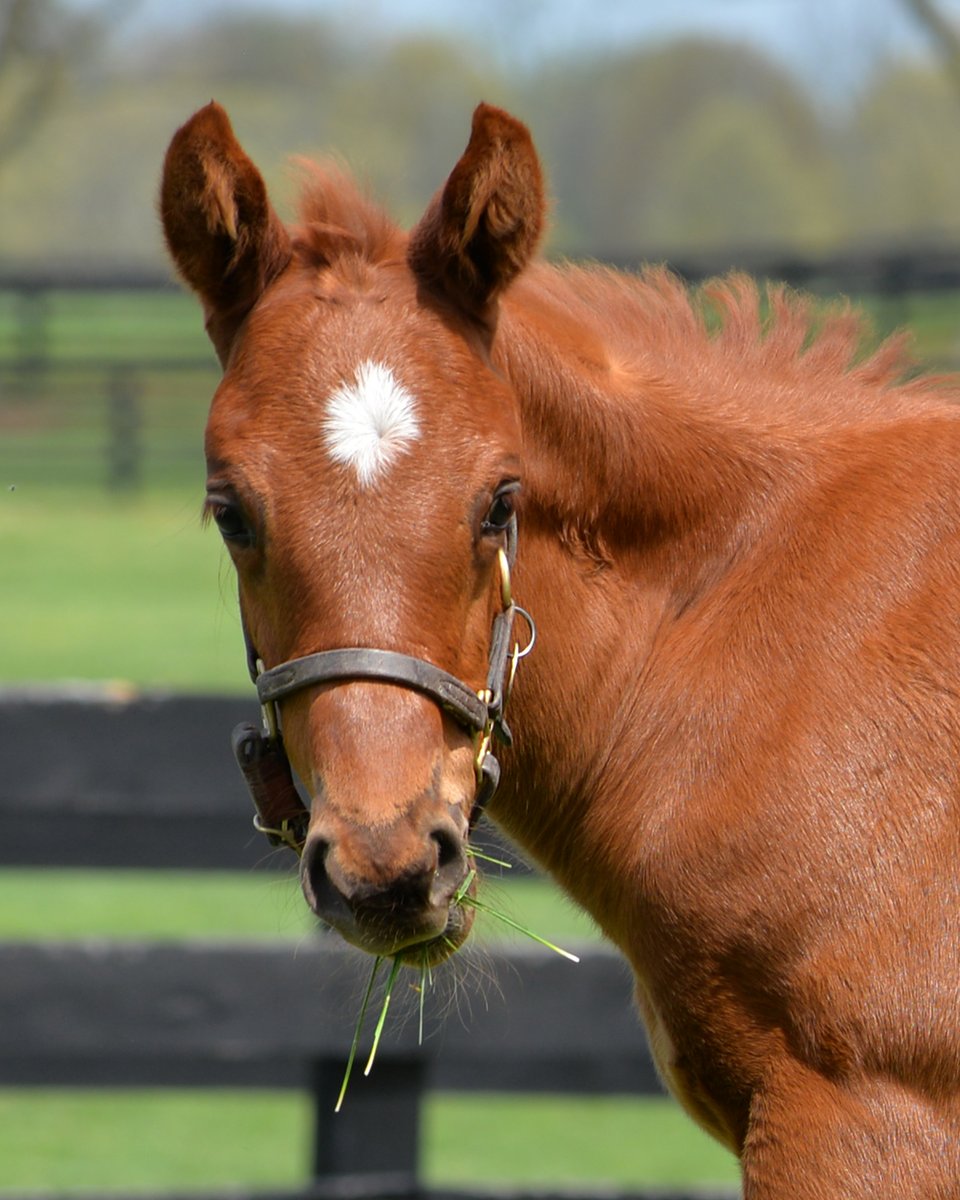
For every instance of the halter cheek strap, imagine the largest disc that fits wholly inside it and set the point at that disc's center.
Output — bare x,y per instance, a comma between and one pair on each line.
281,815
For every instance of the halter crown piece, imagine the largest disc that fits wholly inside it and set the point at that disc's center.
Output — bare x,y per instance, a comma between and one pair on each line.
281,815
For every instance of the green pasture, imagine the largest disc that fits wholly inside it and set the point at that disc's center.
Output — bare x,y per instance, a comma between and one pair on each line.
151,1141
102,326
125,586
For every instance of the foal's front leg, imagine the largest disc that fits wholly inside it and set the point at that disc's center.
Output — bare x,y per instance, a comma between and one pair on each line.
862,1138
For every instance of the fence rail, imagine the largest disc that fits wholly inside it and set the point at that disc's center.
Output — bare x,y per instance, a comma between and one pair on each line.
926,265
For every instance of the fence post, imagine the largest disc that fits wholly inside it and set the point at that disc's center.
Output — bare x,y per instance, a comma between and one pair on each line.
377,1131
32,342
124,426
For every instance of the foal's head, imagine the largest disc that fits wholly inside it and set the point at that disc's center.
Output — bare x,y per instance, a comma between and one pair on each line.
363,463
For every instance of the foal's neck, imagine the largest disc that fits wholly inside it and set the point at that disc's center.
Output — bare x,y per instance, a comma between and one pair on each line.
640,488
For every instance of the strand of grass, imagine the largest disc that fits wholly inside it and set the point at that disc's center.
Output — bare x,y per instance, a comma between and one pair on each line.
356,1033
394,972
473,852
464,887
495,912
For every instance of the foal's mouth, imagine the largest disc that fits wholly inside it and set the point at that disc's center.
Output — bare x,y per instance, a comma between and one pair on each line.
415,943
433,951
422,955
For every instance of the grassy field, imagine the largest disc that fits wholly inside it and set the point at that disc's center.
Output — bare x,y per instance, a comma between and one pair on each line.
42,905
107,588
68,1141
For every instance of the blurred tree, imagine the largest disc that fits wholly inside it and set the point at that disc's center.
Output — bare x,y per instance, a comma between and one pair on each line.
944,33
611,128
404,119
902,157
397,110
649,151
39,40
733,181
254,48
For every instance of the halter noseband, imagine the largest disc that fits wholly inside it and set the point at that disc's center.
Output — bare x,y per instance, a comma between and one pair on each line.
281,815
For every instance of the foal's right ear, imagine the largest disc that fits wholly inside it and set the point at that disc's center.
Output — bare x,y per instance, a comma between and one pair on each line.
223,235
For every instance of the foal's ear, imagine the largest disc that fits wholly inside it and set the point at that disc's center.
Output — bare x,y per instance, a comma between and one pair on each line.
482,229
225,238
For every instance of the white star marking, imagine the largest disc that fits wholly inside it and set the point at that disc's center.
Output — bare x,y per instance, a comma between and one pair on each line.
370,422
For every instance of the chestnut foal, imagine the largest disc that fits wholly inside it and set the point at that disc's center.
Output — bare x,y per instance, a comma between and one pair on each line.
737,744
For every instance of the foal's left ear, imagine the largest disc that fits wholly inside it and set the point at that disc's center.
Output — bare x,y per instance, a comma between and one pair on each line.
223,234
483,227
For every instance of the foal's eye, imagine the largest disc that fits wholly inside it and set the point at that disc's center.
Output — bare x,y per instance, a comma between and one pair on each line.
500,513
231,522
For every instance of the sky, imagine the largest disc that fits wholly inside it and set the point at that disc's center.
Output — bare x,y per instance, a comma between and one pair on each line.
832,35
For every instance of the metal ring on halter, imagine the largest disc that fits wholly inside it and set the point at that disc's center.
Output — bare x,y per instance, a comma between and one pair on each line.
532,626
291,832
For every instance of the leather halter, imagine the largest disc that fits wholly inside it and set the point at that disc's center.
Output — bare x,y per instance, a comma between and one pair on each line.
281,814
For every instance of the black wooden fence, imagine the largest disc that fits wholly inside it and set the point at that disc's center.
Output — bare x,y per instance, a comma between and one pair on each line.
110,781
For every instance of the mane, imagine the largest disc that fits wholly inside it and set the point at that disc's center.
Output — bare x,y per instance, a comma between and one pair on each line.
682,403
769,354
339,220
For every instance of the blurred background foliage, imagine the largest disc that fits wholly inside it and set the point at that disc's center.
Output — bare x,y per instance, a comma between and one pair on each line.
689,143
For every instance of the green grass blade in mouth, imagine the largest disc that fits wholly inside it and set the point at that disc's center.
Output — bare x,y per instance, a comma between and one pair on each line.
461,897
394,972
493,912
356,1033
473,852
461,893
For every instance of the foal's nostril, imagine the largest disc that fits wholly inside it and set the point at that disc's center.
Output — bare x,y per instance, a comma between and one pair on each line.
448,847
451,865
314,880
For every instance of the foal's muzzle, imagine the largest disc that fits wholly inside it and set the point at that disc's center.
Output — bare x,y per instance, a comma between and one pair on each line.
424,887
387,913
